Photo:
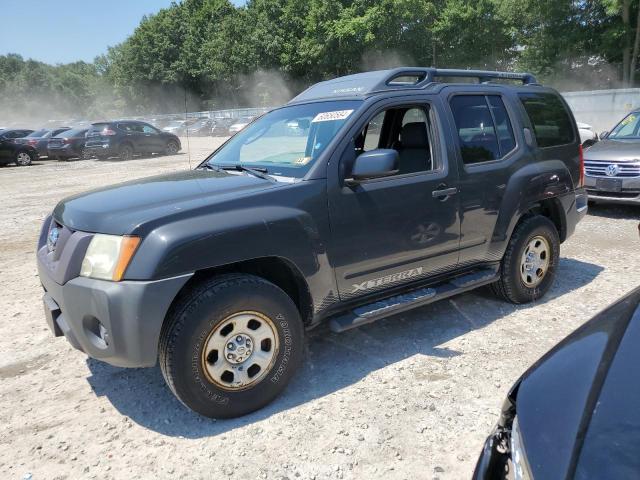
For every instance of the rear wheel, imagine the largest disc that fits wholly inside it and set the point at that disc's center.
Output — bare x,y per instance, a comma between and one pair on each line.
231,345
529,265
24,159
126,152
85,154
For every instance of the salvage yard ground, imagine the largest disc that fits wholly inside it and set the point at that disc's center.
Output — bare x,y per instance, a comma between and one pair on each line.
410,397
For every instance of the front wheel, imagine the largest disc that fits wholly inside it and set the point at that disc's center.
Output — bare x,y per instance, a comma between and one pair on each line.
24,159
171,148
529,264
231,345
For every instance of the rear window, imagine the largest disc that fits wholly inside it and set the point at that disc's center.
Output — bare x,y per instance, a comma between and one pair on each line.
74,132
551,122
38,133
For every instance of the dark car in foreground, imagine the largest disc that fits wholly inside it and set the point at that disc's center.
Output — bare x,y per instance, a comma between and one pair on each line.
127,138
68,144
11,152
40,139
575,414
612,166
388,195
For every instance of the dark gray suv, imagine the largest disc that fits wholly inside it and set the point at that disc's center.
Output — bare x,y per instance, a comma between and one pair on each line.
125,138
395,189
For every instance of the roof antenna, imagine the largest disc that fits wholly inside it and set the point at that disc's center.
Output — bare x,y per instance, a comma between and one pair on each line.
187,127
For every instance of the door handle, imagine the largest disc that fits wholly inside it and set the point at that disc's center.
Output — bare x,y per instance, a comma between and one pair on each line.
444,193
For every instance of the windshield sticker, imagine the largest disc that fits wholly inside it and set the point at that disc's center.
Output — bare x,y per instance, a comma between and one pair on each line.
331,116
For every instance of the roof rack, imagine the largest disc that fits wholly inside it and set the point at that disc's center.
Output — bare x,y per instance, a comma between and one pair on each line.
361,84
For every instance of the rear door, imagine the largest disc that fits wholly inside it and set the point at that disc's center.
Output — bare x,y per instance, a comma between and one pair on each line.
483,121
397,229
153,140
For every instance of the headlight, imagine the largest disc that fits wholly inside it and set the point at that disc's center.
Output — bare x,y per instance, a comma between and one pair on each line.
108,256
519,460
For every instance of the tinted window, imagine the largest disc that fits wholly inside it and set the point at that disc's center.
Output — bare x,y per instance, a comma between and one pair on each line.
38,133
75,132
549,117
506,140
476,130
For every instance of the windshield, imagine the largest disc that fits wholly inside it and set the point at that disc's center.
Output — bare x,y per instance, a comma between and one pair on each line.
628,128
176,123
76,132
286,141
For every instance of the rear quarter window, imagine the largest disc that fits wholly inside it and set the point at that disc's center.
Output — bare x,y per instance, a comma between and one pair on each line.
551,121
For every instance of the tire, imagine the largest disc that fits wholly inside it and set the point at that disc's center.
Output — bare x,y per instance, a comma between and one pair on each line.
172,148
199,323
523,281
23,159
125,152
85,154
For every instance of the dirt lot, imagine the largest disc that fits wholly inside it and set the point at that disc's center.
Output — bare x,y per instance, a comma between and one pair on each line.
411,397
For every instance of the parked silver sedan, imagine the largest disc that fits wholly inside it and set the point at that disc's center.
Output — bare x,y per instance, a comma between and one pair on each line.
612,166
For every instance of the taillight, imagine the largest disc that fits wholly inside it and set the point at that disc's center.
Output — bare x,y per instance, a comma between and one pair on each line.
66,141
108,131
581,180
33,143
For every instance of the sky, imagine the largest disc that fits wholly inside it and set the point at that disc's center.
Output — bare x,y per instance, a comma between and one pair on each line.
63,31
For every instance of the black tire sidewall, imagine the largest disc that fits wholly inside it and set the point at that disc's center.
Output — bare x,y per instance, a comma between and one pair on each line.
535,226
184,348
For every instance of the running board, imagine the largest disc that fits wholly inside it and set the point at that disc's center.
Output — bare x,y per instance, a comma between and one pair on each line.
412,299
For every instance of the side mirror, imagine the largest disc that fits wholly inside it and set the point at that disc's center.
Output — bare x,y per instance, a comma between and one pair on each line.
377,163
603,134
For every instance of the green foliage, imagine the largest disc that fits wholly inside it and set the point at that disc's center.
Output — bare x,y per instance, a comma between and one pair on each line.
223,55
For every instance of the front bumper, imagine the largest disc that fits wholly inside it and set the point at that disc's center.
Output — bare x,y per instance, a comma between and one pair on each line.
116,322
628,195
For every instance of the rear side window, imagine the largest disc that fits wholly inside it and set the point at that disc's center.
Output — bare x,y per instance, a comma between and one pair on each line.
551,122
483,127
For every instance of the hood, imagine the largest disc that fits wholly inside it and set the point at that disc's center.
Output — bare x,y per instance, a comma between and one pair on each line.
571,403
618,150
124,208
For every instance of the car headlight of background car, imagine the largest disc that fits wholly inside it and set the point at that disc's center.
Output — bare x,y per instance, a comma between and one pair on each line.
521,470
108,256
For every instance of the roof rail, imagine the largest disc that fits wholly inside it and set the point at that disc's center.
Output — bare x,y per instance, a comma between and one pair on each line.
426,75
361,84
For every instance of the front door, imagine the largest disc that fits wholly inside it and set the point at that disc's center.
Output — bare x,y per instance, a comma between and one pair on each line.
401,228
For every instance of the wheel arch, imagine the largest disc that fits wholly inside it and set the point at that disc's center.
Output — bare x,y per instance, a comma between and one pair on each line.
277,270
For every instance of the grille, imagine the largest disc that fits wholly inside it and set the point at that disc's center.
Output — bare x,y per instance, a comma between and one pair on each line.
598,168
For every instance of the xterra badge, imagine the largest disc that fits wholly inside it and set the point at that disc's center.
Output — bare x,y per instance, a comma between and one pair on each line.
360,287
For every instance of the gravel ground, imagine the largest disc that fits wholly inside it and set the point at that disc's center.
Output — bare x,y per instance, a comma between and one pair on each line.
412,396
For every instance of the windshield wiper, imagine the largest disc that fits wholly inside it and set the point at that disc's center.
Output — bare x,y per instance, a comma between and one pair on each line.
259,172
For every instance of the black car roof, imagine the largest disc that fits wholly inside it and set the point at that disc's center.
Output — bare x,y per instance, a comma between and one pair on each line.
361,85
